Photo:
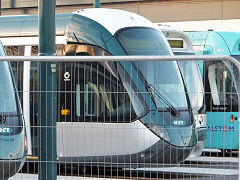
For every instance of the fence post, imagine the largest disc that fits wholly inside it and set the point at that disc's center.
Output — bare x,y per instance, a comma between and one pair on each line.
47,168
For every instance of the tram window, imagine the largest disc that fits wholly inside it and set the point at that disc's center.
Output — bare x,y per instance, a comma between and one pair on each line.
143,41
34,51
193,82
34,89
17,67
84,50
59,50
100,97
7,96
14,50
222,85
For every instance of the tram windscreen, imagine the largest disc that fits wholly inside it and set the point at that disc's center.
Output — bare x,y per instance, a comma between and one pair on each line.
193,82
163,76
143,41
166,79
222,85
7,91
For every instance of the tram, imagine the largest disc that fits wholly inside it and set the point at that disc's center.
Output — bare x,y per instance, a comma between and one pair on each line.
221,86
181,45
13,140
122,113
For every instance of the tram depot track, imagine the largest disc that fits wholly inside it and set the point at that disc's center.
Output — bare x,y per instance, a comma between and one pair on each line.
64,169
76,170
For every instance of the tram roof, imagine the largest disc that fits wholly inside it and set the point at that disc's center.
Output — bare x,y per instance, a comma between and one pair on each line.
27,25
115,19
111,19
232,40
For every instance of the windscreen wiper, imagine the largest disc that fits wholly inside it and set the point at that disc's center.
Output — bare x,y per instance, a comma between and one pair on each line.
174,112
76,38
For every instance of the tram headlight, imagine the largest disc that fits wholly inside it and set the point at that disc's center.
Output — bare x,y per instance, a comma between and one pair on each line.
160,131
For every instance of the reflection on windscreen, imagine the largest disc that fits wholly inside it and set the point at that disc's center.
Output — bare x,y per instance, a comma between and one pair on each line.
166,79
144,41
7,94
222,85
102,96
193,82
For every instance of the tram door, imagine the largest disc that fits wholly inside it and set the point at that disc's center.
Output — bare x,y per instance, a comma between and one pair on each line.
82,97
222,111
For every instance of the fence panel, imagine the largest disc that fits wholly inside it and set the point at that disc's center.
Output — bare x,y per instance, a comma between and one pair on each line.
128,117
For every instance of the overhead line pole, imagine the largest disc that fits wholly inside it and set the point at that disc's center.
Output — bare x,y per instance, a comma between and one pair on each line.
97,4
47,102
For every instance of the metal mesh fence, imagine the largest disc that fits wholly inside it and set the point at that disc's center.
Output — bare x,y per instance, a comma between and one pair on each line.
119,117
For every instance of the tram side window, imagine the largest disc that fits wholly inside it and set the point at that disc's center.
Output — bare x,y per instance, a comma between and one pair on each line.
34,51
7,95
17,67
100,96
84,50
59,50
14,50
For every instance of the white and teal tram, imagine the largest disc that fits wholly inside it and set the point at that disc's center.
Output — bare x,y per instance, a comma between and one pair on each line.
125,113
13,142
182,45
